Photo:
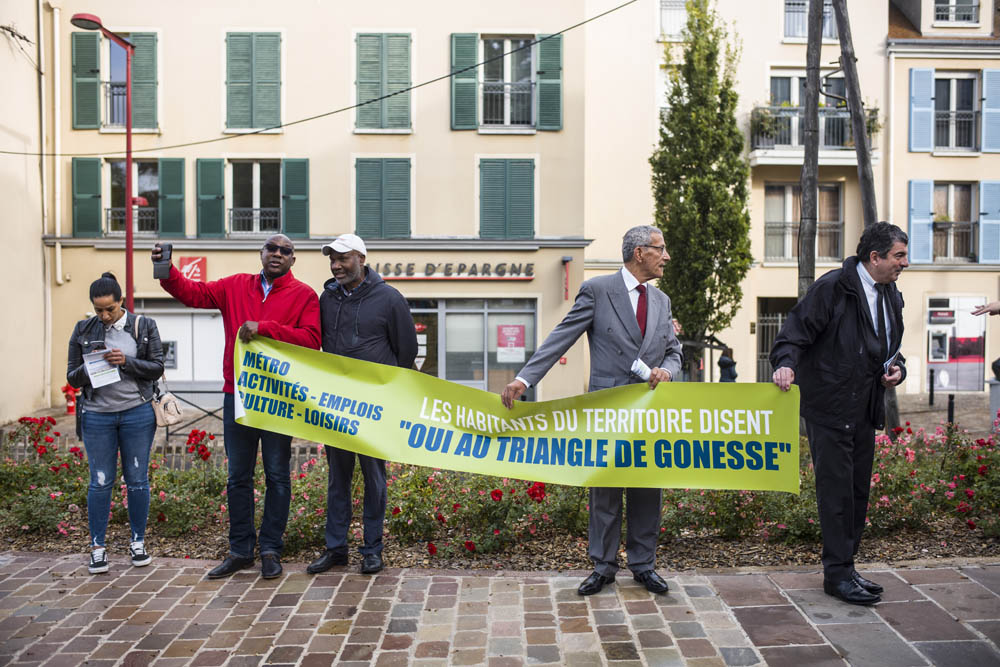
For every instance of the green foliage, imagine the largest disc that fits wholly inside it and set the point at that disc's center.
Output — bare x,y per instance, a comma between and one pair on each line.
700,180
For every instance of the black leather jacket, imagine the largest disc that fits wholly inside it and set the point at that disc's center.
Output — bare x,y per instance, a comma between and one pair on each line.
145,367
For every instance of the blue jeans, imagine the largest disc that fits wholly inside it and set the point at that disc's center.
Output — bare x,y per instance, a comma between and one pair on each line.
276,452
338,500
106,435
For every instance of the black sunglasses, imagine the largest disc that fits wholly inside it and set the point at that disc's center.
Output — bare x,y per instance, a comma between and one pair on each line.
284,250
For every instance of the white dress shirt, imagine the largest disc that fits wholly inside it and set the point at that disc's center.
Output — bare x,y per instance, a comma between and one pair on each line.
872,295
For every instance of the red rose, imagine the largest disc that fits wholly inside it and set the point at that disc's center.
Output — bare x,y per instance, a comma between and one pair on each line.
57,433
496,531
161,517
440,517
897,430
431,549
982,470
970,493
41,449
49,438
496,494
471,546
970,523
456,507
395,510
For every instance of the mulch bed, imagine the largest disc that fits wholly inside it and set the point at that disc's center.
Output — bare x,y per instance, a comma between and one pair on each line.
944,538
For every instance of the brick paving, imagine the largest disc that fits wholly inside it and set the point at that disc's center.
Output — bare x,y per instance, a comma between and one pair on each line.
52,612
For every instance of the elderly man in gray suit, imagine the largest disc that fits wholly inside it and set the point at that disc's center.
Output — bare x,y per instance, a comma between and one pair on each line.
631,334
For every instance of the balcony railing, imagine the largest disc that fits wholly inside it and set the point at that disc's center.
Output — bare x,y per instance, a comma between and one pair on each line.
956,130
508,104
254,220
781,241
144,221
114,103
673,18
783,127
797,19
960,12
955,241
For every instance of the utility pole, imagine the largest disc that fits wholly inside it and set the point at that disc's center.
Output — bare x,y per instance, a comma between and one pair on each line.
808,183
862,147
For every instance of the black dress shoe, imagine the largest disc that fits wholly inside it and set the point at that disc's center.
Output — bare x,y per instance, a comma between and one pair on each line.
329,558
869,586
594,583
653,582
228,566
371,563
850,592
270,566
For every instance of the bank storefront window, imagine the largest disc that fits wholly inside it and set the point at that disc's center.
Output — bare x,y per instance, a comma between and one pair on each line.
479,343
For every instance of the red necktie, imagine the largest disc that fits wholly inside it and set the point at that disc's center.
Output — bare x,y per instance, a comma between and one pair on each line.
640,309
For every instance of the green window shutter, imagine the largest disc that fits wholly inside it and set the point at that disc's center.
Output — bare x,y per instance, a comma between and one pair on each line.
396,57
464,86
86,80
369,81
210,176
239,80
144,80
86,196
295,197
396,198
520,199
368,198
266,79
171,204
492,199
550,82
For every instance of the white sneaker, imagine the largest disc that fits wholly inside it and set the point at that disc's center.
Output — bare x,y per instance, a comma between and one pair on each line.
139,556
98,561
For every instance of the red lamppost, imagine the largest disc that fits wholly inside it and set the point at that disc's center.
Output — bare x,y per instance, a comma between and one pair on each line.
91,22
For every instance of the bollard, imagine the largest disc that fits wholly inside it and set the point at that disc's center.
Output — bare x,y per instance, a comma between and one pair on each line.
951,408
931,401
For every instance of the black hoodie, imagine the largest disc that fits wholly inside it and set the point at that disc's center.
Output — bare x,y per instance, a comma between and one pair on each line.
373,323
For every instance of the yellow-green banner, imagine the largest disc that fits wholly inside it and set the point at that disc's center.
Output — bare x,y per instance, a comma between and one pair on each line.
680,435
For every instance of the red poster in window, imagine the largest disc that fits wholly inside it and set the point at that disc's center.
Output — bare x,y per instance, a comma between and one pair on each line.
510,343
192,268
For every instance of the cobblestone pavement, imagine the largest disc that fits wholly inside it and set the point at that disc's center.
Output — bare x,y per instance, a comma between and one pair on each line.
52,612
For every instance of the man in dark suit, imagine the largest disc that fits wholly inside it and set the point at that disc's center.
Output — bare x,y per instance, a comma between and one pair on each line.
840,344
631,335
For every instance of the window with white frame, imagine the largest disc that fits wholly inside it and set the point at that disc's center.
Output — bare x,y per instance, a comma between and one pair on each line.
797,19
781,222
954,221
956,11
956,118
786,126
256,197
508,84
99,81
146,183
673,18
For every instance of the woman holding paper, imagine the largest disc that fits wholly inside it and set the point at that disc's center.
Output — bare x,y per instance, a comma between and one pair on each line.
116,357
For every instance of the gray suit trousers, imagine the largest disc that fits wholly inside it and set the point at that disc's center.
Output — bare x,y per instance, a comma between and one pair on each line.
642,512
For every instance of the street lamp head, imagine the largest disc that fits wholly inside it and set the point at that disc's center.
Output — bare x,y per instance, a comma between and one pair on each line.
86,22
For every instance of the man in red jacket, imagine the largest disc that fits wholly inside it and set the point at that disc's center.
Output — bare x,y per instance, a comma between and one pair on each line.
274,304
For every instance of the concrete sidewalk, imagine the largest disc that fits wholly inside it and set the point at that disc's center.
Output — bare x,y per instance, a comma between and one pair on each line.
52,612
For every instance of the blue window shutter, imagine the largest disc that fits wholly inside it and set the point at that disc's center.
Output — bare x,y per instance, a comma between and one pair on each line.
991,111
921,222
520,199
492,199
464,83
396,198
369,80
989,222
266,106
921,110
550,82
239,80
86,196
210,176
368,198
171,200
144,78
295,197
86,80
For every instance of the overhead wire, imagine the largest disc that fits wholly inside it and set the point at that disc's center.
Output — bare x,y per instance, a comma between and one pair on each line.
325,114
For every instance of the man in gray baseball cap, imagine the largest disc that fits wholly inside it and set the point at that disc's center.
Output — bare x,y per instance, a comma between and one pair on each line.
361,317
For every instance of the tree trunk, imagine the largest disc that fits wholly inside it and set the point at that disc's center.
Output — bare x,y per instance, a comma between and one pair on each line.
810,163
862,146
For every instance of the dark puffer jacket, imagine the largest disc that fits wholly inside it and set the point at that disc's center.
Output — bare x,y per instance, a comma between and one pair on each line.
829,341
372,324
